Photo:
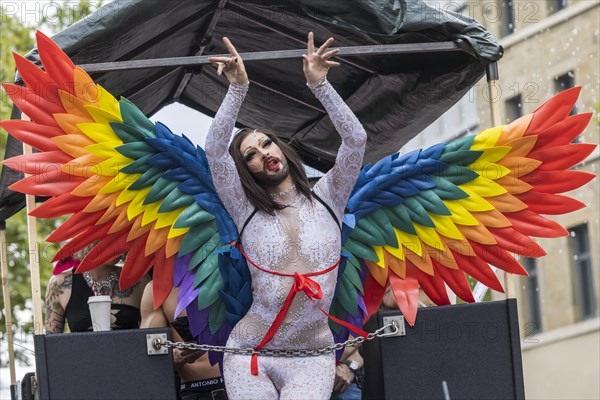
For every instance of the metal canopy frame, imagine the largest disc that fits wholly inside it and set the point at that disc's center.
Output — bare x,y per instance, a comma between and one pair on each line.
193,61
198,60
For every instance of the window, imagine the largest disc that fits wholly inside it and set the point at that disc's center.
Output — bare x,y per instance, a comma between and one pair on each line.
514,109
564,82
583,280
533,295
508,17
557,5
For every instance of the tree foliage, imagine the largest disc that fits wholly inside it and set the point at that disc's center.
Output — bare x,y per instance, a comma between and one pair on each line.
17,36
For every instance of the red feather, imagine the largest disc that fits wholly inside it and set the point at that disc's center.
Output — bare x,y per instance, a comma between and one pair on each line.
532,224
406,293
61,205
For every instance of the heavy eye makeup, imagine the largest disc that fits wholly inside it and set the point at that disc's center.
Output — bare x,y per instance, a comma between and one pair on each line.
249,156
264,143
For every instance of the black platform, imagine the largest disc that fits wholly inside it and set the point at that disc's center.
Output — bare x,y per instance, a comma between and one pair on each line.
103,365
473,348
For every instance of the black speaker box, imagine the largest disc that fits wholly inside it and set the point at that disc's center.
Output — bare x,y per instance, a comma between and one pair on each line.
468,351
103,365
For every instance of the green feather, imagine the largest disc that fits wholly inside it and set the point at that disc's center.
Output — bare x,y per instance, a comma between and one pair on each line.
461,157
385,227
347,296
361,250
135,150
196,237
337,311
418,213
148,178
127,133
366,231
400,218
192,216
175,200
448,191
216,316
137,167
463,143
431,202
161,188
206,249
351,272
132,116
207,268
458,175
209,292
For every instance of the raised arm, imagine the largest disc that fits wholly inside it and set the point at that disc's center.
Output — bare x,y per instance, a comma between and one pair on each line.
224,173
335,187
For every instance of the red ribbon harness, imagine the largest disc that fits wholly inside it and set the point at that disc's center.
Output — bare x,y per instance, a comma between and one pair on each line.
302,283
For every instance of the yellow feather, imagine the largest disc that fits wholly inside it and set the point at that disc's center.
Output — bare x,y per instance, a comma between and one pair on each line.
99,132
151,213
136,207
379,251
487,138
105,149
445,226
126,196
168,219
173,232
489,170
474,202
120,182
460,215
102,116
112,165
411,242
483,187
395,251
108,103
428,236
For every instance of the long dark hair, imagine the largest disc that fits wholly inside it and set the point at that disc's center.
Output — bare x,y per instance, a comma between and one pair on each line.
257,195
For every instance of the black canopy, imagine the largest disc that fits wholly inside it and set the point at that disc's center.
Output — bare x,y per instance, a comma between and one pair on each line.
395,96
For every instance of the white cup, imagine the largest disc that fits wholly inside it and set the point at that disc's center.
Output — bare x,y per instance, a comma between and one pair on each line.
100,311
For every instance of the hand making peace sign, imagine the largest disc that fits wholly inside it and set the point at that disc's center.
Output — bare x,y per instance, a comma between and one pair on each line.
316,63
233,66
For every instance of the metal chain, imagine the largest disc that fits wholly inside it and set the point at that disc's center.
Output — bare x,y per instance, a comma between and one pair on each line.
157,343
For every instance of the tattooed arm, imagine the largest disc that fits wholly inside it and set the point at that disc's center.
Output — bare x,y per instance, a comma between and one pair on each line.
58,288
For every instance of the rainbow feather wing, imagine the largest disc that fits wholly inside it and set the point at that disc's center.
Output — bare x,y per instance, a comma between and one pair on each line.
431,217
133,187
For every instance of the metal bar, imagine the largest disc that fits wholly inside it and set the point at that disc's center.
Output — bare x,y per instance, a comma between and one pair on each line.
277,28
191,61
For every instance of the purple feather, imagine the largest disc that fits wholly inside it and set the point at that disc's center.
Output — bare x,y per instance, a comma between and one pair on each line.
181,268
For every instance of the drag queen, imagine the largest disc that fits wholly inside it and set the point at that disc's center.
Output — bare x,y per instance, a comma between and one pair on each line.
289,234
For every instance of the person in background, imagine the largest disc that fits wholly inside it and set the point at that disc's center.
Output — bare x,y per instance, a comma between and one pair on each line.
198,379
68,292
348,375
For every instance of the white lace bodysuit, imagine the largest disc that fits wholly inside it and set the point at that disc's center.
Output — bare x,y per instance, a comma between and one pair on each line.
302,238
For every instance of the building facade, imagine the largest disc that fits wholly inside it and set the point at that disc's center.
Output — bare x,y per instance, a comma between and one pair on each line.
550,45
